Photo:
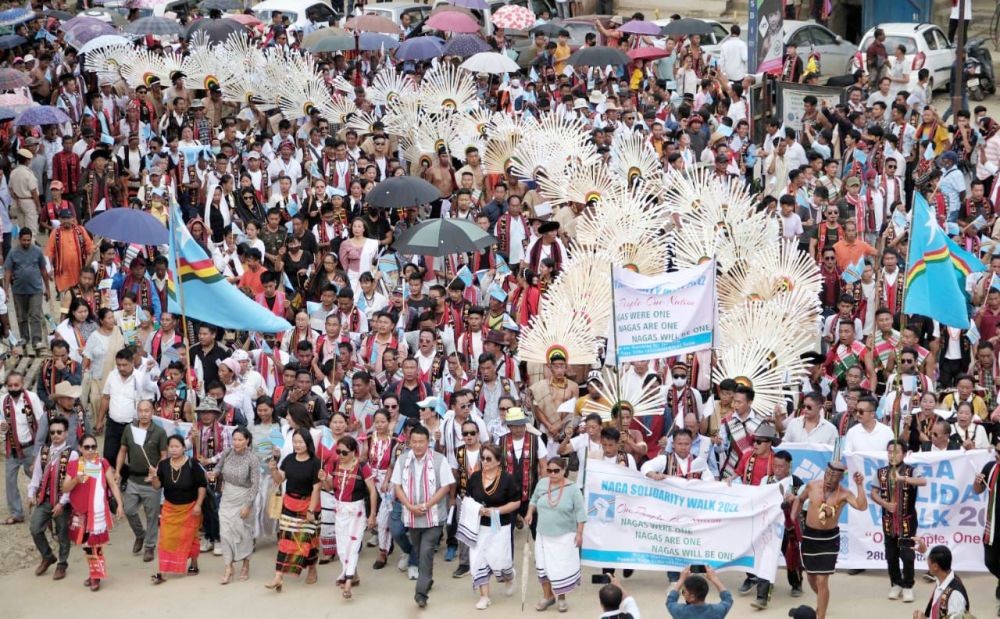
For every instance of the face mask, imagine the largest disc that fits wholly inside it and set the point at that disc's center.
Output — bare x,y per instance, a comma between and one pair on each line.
216,149
680,382
14,393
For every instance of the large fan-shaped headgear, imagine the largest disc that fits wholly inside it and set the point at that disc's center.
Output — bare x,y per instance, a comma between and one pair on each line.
633,160
445,89
616,394
559,334
388,86
584,284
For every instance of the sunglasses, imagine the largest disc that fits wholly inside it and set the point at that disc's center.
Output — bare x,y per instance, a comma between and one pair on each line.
758,441
681,376
56,432
505,408
392,407
470,433
906,361
551,471
88,447
343,452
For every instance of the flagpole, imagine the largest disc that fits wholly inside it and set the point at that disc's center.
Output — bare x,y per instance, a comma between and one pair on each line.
896,412
180,294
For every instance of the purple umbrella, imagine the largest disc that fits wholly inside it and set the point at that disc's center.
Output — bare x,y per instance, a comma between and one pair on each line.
129,225
41,115
465,45
471,4
419,48
638,26
373,42
81,29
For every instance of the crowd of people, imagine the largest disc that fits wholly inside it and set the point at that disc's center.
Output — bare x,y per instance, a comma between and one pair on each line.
396,412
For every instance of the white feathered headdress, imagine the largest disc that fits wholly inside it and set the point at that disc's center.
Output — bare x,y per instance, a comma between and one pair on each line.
617,394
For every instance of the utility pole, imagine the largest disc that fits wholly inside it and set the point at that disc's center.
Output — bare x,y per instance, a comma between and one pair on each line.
957,84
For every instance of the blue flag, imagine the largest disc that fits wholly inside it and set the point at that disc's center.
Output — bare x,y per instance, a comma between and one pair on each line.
936,271
208,297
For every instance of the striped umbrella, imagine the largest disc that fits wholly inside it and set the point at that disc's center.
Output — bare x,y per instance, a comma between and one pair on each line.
464,46
440,237
12,78
159,26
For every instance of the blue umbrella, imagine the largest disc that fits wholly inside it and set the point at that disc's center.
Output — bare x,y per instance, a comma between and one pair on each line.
373,41
10,41
465,45
419,48
41,115
129,225
16,16
6,114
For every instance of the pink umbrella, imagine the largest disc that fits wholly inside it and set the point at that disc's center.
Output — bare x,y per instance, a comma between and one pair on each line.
513,17
247,20
638,26
452,21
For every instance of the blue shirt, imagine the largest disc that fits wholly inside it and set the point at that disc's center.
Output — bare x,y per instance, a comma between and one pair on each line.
698,611
951,186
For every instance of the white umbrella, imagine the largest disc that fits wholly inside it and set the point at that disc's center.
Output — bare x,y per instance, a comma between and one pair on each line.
490,62
104,40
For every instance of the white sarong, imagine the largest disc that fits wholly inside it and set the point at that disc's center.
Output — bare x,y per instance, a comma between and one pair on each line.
350,532
557,560
491,554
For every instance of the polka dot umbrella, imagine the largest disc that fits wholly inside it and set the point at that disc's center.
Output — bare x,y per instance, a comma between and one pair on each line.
513,17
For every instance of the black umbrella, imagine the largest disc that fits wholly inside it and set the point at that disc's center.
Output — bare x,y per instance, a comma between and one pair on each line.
402,192
440,237
686,27
598,57
60,15
548,29
217,30
220,5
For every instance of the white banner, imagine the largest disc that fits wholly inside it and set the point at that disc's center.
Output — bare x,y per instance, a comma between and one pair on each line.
663,315
637,523
948,511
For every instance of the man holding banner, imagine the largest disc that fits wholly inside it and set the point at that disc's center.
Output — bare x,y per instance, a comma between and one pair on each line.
821,533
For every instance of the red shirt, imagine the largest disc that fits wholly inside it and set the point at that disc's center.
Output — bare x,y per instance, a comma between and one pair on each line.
66,170
762,467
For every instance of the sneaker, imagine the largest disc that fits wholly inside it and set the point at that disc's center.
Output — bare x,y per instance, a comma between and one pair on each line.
463,570
748,584
449,554
508,589
403,563
217,551
483,603
894,592
412,572
796,592
759,603
206,545
908,595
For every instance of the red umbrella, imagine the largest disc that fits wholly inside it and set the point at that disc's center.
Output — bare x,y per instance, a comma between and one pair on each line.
647,53
452,21
247,20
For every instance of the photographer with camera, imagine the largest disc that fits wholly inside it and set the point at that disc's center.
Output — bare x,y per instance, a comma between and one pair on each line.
694,588
617,603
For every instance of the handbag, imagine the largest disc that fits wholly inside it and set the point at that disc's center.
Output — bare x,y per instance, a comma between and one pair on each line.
274,502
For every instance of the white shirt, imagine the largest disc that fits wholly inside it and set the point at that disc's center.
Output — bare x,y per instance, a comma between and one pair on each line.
956,601
734,54
124,393
859,439
629,606
683,466
824,432
20,420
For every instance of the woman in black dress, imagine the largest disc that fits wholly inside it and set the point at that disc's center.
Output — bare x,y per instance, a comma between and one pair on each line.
298,540
498,495
183,482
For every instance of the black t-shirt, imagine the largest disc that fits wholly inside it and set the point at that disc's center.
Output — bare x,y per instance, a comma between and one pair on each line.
300,476
507,491
209,361
292,268
189,479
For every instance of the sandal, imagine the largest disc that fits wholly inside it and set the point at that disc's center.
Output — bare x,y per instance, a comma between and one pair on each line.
563,606
95,584
245,570
193,570
227,576
341,581
544,604
347,594
12,520
158,579
312,577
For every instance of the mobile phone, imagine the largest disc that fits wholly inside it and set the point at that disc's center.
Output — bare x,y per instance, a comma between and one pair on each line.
697,569
600,579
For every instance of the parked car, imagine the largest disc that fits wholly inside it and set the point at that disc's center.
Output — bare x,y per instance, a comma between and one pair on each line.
394,11
926,47
835,54
295,11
